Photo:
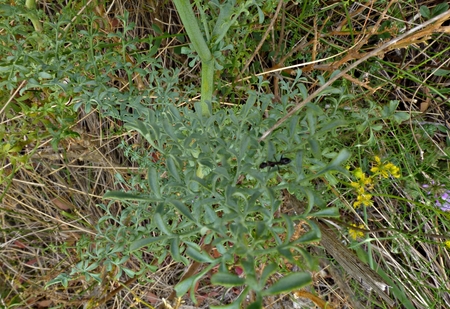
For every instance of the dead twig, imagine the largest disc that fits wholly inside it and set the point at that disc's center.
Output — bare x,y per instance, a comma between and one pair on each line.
346,258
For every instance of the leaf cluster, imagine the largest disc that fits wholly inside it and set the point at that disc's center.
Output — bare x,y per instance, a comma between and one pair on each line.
207,188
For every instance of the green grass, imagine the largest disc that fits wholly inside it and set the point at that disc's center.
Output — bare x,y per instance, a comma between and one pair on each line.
99,103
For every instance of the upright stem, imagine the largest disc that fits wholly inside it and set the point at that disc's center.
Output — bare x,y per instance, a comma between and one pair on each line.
199,44
31,6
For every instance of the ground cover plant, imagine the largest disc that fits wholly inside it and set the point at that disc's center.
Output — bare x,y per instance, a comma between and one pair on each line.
224,154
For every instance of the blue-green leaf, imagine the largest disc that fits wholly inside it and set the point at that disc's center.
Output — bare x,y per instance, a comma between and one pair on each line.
289,283
341,158
140,127
130,273
168,127
327,212
285,251
248,105
441,72
257,304
171,165
312,235
227,279
45,75
198,256
161,224
439,9
268,271
62,279
183,209
289,226
399,117
260,230
153,181
332,125
175,250
138,244
315,148
260,15
184,286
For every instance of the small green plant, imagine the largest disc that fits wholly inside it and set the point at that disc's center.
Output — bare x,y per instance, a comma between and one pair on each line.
438,9
33,87
214,190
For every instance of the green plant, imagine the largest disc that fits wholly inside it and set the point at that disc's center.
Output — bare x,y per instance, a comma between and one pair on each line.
214,190
33,86
201,196
438,9
206,189
204,195
209,43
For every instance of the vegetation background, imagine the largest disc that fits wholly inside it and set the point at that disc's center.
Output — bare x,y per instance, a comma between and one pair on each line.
132,134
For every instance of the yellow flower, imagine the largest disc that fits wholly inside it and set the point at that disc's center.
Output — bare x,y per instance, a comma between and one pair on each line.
363,199
367,182
356,233
360,190
358,187
394,170
363,180
447,243
385,169
376,165
355,184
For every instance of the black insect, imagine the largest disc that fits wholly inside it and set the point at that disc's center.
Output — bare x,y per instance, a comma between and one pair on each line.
283,161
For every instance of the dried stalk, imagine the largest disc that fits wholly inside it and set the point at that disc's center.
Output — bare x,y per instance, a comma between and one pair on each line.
358,270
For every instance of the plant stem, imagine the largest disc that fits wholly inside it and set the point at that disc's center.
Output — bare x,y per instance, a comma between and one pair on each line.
31,6
199,44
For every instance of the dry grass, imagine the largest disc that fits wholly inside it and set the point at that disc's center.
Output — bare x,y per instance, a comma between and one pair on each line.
49,205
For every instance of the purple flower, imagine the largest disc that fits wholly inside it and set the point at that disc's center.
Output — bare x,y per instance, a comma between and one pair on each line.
445,199
442,197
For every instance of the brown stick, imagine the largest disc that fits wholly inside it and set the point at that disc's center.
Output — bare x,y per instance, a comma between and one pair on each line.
352,264
344,256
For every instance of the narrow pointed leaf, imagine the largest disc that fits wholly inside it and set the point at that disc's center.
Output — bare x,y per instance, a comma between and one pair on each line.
173,168
153,181
138,244
183,209
125,196
184,286
327,212
161,224
198,256
289,283
227,280
341,158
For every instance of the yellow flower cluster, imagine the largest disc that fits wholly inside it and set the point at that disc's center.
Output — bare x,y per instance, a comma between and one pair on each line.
365,183
356,233
385,169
